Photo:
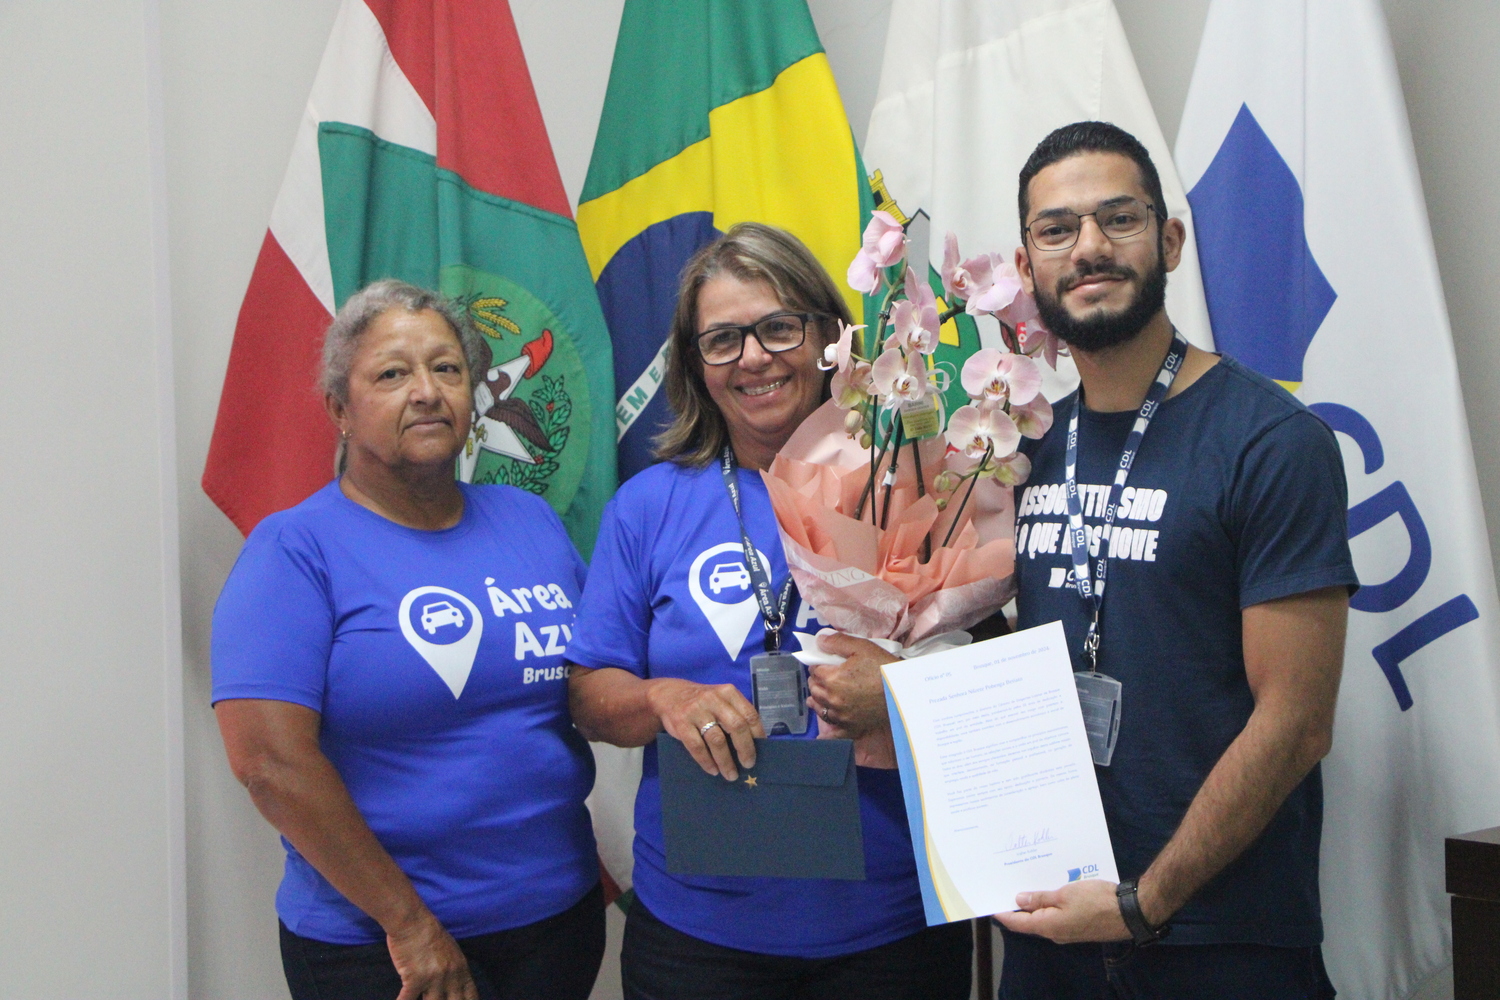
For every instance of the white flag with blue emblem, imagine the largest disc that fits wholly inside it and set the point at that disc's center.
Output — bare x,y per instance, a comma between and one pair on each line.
1319,272
967,90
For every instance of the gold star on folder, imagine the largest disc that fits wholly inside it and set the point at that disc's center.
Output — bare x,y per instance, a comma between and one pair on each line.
750,780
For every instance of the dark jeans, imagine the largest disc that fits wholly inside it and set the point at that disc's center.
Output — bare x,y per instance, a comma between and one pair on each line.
658,962
552,959
1037,969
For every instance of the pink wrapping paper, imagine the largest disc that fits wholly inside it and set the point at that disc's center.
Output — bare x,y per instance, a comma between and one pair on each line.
872,582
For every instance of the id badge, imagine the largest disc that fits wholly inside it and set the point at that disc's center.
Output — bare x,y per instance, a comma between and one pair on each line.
779,683
1099,697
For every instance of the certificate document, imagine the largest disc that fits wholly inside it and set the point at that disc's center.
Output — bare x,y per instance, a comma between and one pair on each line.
995,766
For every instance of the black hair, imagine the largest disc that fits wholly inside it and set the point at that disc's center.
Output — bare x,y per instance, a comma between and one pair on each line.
1089,137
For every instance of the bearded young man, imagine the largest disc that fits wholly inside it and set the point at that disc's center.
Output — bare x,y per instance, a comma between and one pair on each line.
1212,503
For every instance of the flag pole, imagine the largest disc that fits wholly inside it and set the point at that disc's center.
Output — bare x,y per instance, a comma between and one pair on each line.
984,959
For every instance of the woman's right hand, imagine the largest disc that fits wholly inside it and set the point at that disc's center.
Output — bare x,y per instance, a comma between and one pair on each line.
431,965
706,718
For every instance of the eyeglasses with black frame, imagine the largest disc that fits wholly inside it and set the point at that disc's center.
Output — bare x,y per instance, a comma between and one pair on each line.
1118,218
775,333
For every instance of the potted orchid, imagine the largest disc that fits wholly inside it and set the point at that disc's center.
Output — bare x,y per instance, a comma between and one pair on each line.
1004,386
874,540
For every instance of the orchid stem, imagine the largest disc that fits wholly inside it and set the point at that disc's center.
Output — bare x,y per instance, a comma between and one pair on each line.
873,350
916,461
968,493
899,432
875,460
948,314
883,320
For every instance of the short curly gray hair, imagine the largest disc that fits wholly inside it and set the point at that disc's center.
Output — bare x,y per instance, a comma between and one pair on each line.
366,305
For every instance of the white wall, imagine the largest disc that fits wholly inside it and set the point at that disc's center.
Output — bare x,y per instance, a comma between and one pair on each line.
237,75
91,868
88,806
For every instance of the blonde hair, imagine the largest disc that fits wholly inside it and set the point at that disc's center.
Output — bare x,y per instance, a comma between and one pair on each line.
749,252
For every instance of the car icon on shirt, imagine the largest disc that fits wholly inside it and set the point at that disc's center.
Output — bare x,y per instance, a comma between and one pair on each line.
729,575
439,614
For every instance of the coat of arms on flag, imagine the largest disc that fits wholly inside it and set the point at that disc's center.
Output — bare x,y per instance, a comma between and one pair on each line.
422,156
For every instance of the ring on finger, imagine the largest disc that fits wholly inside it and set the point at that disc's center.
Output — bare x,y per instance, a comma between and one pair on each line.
824,713
703,729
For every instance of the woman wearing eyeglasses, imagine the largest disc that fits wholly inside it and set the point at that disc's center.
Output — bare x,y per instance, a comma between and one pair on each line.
665,631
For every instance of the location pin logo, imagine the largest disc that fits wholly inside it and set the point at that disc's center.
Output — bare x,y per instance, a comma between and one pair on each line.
719,581
444,627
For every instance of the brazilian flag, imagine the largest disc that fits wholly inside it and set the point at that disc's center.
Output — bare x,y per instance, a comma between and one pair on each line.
717,112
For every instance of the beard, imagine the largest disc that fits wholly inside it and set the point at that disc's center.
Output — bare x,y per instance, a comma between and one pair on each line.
1100,329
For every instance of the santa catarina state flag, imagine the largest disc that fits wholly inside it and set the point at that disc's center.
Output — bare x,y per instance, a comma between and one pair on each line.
717,112
422,156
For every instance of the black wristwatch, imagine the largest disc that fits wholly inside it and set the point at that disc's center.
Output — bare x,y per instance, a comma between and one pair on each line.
1141,932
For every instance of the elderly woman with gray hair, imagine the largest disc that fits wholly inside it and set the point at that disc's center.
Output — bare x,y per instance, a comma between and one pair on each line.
370,687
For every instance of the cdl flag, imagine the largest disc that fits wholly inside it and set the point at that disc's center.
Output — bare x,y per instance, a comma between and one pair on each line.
422,156
1319,272
967,90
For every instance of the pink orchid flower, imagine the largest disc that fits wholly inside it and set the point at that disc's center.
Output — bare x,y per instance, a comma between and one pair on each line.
916,326
1012,470
974,430
836,355
1032,419
918,290
1037,339
987,283
964,281
994,376
1002,292
884,246
1021,308
851,386
898,379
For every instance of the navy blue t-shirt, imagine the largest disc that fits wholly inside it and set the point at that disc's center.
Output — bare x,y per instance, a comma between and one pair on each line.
436,661
669,596
1237,497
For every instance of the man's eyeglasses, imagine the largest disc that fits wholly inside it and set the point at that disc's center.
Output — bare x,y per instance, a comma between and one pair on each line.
1119,220
775,333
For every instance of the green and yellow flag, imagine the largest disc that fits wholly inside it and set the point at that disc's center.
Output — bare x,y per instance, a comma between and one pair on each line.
718,112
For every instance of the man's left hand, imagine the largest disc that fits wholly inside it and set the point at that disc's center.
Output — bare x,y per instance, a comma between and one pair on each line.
1080,911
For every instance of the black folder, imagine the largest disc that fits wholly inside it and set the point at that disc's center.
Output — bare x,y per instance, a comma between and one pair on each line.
795,814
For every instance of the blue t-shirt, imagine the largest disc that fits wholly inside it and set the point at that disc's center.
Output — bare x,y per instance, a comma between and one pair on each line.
1237,497
436,661
668,596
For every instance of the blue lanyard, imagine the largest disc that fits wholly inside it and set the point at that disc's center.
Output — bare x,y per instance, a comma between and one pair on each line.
1093,590
774,615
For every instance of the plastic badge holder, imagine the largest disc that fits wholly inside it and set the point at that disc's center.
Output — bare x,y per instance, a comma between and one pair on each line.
1099,697
779,684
